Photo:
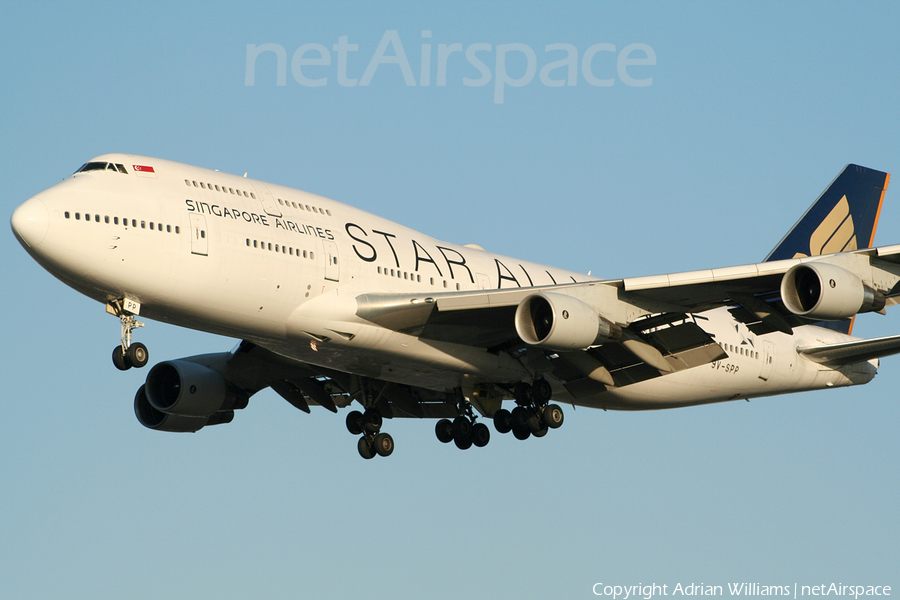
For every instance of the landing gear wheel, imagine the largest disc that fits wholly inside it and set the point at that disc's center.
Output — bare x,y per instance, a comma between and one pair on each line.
481,435
541,391
365,448
462,428
522,393
119,360
540,432
373,420
384,444
463,442
521,433
502,421
137,355
355,422
444,430
553,416
534,422
519,417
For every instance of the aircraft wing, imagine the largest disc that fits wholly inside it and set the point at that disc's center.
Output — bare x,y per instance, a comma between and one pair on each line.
478,316
657,314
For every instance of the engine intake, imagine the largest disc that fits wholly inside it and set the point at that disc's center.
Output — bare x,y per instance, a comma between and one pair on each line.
188,389
563,323
827,292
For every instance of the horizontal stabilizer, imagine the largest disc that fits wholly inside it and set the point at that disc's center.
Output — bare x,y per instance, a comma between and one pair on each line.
852,352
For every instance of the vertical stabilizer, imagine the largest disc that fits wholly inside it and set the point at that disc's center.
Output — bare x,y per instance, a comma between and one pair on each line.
843,218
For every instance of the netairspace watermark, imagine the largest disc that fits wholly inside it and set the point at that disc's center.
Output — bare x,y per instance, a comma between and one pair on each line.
649,591
600,65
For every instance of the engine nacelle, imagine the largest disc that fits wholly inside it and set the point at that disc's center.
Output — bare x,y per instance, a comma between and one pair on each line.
561,322
153,419
188,389
827,292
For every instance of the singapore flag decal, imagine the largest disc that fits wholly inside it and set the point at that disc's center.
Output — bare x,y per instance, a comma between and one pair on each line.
144,171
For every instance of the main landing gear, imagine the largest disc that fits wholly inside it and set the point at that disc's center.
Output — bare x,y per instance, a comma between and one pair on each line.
463,430
533,415
127,355
373,440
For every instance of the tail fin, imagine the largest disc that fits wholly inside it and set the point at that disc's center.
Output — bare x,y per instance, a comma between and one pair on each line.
843,218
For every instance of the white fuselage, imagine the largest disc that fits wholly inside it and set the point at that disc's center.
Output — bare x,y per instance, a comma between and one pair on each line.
282,268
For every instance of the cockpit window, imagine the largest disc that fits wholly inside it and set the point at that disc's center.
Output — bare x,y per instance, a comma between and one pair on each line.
92,166
102,166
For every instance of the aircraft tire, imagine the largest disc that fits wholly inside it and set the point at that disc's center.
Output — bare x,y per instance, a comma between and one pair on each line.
384,444
534,423
519,417
355,422
521,433
522,393
463,442
502,421
365,448
444,431
541,391
462,427
553,416
540,432
119,359
481,435
137,355
372,420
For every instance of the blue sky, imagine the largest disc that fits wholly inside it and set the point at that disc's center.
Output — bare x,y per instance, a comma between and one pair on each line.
752,111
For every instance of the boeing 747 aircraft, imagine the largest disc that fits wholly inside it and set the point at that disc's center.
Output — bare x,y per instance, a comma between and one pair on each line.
334,305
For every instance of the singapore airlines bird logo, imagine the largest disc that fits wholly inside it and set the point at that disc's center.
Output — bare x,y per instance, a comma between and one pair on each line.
834,234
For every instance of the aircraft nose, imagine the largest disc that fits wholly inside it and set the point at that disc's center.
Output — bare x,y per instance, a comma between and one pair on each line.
30,222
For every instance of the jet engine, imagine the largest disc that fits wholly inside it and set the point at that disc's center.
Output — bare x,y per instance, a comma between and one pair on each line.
561,322
827,292
180,395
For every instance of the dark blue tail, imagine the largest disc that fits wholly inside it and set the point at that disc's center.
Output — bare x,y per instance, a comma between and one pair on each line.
843,218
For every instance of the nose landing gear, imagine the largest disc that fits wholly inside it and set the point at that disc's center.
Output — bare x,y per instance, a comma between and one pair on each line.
127,355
